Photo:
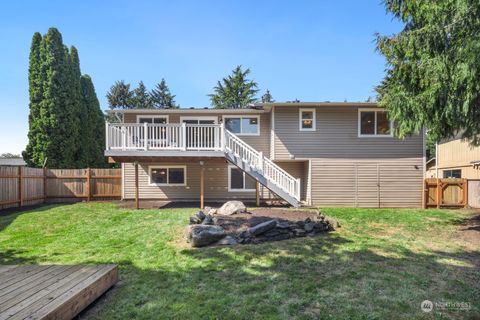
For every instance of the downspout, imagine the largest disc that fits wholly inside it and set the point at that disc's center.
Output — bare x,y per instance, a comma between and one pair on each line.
436,160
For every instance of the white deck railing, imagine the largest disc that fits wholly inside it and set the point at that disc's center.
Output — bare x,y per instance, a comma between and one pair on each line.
197,137
147,136
267,167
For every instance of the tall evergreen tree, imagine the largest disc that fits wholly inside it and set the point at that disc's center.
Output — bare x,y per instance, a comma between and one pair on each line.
120,96
33,154
162,98
234,91
94,129
52,138
77,106
141,98
433,68
267,97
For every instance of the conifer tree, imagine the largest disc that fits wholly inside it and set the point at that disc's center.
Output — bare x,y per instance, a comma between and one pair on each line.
94,129
162,98
33,154
433,68
235,91
267,97
141,98
120,96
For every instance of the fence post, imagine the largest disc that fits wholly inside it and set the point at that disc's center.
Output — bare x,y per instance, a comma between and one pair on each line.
465,193
20,188
44,184
89,192
439,193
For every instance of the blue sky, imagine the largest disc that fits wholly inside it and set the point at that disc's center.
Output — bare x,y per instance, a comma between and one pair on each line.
306,50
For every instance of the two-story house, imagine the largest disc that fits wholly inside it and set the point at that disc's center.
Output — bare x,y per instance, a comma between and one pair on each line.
322,154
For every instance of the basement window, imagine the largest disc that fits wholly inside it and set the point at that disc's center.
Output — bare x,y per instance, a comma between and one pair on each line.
167,175
238,180
374,123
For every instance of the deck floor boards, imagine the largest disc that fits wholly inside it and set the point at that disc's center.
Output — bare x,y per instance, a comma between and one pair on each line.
52,291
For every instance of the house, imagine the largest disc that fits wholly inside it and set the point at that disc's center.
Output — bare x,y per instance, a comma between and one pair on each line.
17,162
319,153
456,158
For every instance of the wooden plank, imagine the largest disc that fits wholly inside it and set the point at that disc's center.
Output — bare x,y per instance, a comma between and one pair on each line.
257,194
36,284
44,184
67,304
89,192
42,297
23,273
20,187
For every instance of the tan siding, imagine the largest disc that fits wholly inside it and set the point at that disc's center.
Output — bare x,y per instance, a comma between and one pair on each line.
458,154
367,183
298,169
260,143
216,184
336,136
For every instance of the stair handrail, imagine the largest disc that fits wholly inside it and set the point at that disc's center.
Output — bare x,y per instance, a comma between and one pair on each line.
269,169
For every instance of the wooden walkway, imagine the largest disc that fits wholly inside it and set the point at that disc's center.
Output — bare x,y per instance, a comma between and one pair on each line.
52,291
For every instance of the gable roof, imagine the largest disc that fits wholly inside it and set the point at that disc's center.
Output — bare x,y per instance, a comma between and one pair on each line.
12,162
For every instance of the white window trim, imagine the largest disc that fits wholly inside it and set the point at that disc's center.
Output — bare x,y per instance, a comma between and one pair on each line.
244,116
375,135
300,122
230,180
151,117
167,184
215,119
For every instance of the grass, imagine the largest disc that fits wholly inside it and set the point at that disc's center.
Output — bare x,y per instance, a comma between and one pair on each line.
380,265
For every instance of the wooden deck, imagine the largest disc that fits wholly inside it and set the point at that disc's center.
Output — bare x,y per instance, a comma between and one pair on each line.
52,291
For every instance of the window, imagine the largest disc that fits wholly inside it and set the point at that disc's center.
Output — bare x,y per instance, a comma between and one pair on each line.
456,173
307,120
152,119
167,175
243,125
374,123
239,180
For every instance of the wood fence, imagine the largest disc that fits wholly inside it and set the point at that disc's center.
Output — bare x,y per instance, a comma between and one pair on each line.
22,186
441,193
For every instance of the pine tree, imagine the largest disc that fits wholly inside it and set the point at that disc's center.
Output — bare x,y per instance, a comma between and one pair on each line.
234,91
33,154
141,98
162,98
94,129
267,97
433,68
120,96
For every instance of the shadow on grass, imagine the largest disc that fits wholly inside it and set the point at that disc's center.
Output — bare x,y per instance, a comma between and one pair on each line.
307,278
328,276
10,214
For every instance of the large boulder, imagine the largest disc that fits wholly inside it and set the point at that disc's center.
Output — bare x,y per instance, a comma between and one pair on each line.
200,235
231,207
262,227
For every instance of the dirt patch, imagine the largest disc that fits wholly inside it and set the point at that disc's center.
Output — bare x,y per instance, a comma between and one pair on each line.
242,221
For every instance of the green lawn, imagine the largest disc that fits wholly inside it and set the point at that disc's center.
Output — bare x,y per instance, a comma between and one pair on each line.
380,265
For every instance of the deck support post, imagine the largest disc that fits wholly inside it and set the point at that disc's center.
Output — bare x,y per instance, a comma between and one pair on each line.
202,184
257,194
136,185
